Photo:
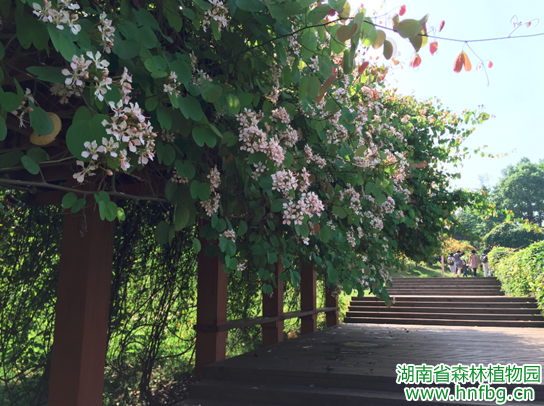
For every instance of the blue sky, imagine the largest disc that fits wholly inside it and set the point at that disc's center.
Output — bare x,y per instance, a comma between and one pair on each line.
515,93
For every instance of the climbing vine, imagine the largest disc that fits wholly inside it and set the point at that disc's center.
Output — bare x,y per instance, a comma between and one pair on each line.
260,119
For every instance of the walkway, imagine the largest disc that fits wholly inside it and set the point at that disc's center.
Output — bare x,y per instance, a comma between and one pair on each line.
354,364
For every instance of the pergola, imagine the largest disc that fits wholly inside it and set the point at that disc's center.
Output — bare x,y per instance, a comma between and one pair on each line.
80,336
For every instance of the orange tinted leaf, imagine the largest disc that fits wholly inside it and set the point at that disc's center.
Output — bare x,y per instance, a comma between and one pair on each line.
402,10
346,32
325,86
433,47
459,61
441,25
468,65
490,64
416,61
363,67
395,61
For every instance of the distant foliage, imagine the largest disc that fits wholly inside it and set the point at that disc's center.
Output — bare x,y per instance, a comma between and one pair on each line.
512,236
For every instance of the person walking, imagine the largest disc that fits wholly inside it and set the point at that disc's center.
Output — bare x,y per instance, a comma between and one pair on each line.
464,265
485,263
473,262
458,262
451,263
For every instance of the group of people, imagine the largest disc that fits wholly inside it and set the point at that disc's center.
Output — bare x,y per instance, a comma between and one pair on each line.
459,263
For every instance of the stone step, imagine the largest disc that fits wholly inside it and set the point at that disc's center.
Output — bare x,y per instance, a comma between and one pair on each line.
441,309
444,322
451,299
445,315
488,305
445,292
446,278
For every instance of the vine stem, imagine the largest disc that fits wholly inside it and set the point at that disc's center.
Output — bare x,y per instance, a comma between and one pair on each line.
83,192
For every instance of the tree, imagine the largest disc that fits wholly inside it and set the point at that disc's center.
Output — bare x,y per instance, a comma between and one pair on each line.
521,190
512,236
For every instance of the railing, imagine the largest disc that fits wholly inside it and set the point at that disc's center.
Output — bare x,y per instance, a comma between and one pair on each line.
212,324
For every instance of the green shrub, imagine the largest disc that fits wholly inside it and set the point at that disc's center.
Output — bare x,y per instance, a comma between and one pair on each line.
521,273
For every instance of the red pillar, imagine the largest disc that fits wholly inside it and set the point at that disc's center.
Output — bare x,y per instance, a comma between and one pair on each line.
307,299
81,320
331,301
273,306
211,344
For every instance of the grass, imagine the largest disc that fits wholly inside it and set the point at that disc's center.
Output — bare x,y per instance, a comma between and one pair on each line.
421,270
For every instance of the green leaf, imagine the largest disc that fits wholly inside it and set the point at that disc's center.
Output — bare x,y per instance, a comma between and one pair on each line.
203,135
3,129
38,155
295,277
62,43
339,211
161,233
40,121
47,73
68,200
313,87
82,131
10,101
113,95
303,88
196,245
147,37
183,71
233,103
324,234
82,114
242,228
191,108
185,169
194,189
211,92
111,211
338,5
204,191
168,154
369,34
250,5
267,289
121,214
164,117
146,19
78,205
332,275
318,13
128,49
325,66
10,159
409,28
30,165
181,217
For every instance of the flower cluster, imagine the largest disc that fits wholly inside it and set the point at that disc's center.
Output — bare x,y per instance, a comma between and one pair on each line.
218,13
229,235
173,86
61,16
309,205
106,32
212,205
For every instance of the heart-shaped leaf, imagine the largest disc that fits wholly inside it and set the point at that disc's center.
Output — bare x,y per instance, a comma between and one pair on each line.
346,32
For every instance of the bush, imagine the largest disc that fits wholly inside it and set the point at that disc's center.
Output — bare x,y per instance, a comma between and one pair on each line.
521,273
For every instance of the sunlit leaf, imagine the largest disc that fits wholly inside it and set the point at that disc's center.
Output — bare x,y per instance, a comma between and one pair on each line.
441,25
433,47
402,10
459,61
346,32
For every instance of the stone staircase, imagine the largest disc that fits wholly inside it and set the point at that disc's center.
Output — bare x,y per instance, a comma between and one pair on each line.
475,302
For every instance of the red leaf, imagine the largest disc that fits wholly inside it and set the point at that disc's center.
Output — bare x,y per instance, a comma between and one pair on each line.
331,12
528,24
402,10
433,46
363,67
459,61
441,25
490,64
416,61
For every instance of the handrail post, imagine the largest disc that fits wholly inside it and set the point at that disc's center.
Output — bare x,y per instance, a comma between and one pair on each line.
272,307
308,324
331,301
211,344
81,319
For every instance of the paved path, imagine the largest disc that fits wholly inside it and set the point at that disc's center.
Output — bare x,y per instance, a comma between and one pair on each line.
357,363
366,349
